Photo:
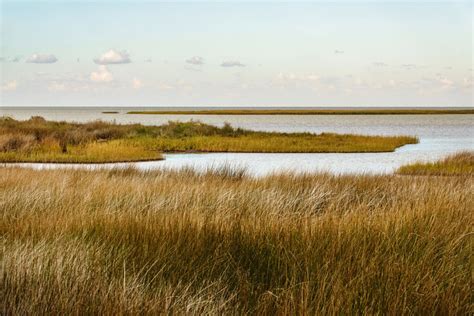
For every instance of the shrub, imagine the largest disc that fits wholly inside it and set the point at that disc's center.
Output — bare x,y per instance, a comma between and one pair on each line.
16,142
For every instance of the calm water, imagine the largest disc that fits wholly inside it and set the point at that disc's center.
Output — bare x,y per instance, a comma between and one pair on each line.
439,135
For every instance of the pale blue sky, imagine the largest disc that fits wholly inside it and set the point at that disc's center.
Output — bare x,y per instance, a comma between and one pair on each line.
410,53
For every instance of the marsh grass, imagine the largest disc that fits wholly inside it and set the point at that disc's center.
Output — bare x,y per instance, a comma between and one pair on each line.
460,164
38,140
125,241
309,112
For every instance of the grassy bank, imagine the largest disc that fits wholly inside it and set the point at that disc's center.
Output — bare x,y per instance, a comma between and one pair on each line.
454,165
128,242
309,112
38,140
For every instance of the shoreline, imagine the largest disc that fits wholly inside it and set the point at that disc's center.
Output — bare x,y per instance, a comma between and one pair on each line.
78,163
306,112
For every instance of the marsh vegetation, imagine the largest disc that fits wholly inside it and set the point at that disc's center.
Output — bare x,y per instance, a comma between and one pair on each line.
38,140
457,164
124,241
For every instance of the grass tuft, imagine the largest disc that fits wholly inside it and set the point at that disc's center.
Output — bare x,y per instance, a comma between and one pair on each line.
460,164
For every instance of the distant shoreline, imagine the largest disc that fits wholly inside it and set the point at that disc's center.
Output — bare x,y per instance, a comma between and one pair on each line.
307,112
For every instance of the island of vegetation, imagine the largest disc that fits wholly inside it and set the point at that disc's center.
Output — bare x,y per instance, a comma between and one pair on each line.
110,112
308,112
130,242
38,140
459,164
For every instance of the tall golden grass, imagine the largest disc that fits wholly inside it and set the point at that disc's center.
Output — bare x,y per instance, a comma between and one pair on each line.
125,241
461,163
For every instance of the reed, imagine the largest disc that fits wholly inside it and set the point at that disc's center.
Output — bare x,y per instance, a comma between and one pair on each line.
125,241
459,164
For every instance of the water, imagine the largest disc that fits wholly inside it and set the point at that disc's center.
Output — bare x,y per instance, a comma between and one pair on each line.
439,135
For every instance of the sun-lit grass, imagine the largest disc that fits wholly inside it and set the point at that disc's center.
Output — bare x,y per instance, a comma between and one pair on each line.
279,143
308,112
218,242
111,151
38,140
459,164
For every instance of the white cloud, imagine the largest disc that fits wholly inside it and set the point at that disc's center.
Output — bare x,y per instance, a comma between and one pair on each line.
102,75
444,82
136,83
10,86
113,57
195,60
42,59
338,52
232,63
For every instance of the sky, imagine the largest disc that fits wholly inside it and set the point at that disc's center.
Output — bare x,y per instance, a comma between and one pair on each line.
231,53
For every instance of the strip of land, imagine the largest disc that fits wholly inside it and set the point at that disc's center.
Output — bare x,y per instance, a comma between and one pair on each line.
460,164
123,241
38,140
309,112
